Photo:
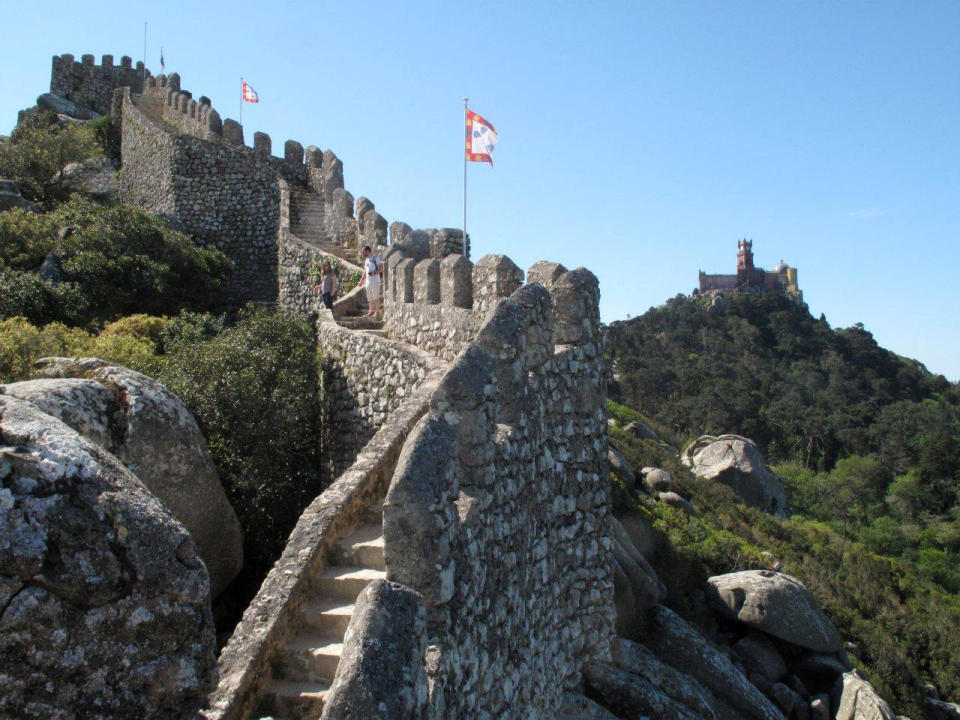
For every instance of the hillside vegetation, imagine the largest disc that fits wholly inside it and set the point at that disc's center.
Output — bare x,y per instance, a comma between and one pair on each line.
866,442
87,278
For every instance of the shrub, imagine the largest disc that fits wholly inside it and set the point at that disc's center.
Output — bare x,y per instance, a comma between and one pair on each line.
22,344
139,326
134,352
25,238
38,152
884,537
128,262
189,328
115,261
107,132
24,294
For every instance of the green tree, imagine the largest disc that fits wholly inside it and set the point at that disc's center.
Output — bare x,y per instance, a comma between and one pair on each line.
253,390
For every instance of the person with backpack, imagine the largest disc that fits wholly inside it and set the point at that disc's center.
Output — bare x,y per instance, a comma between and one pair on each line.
372,280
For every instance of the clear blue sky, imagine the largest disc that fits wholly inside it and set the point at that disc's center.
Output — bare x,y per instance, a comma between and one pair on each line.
639,139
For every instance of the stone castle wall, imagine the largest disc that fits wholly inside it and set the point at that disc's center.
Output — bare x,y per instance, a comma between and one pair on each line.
222,195
499,511
148,152
182,159
92,85
363,380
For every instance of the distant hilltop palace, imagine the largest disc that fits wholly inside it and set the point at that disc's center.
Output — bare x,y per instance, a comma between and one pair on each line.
751,280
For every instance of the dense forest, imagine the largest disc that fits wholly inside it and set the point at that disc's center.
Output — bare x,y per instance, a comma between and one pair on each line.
866,442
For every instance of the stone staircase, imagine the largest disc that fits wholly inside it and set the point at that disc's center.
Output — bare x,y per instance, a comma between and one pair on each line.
307,223
357,319
307,664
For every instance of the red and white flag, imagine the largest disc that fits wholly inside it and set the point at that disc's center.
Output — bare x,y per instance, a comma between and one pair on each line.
248,93
481,139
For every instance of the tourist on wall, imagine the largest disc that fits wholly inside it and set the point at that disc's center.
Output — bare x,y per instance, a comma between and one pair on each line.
372,280
328,284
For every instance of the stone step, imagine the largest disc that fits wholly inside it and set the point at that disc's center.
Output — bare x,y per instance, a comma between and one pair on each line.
360,322
362,548
373,514
287,699
346,582
330,616
311,656
380,332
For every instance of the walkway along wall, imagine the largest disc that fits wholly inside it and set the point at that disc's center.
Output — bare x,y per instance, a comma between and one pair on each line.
499,511
270,620
497,514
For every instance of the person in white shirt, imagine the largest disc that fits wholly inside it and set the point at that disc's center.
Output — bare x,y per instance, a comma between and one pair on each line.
372,280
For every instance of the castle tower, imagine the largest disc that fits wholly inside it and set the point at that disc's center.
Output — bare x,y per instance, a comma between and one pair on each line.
744,256
744,261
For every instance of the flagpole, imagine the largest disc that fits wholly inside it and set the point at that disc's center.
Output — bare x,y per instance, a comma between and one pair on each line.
465,100
241,101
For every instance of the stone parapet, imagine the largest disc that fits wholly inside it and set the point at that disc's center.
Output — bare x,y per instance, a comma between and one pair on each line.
364,378
443,323
498,514
198,118
432,242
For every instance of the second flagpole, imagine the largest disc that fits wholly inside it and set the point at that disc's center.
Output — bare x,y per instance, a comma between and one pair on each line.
466,140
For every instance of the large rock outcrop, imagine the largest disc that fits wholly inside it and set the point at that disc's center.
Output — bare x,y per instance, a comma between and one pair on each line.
96,178
678,644
635,581
683,689
856,699
150,431
10,197
737,462
105,602
62,106
777,604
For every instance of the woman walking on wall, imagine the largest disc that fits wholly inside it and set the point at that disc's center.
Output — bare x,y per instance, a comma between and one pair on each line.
328,284
372,280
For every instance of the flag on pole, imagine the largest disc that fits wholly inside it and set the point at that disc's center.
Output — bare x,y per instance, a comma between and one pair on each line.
248,93
162,63
481,139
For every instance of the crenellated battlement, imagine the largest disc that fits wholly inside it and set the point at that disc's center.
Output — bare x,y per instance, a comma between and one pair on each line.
439,305
234,207
198,118
91,85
